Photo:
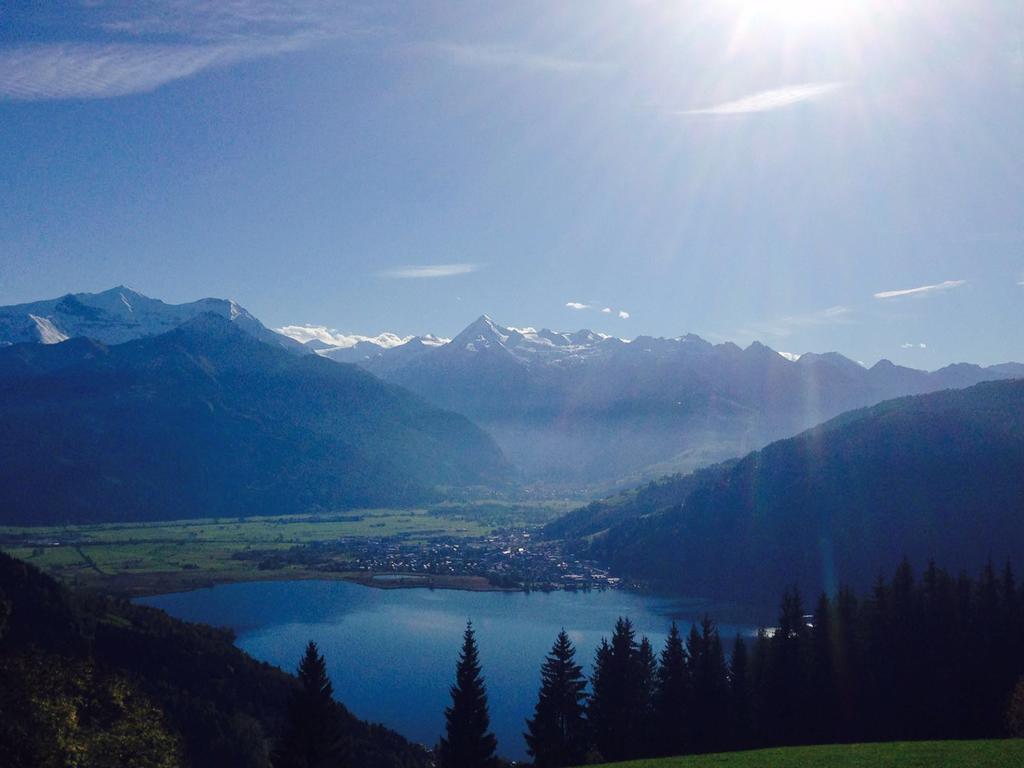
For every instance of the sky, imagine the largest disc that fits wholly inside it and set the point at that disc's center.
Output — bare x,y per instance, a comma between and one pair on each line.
814,174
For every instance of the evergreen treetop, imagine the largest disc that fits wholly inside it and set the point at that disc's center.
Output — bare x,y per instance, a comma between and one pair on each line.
468,742
557,734
313,735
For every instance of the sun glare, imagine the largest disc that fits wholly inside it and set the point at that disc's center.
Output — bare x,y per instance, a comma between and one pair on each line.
803,12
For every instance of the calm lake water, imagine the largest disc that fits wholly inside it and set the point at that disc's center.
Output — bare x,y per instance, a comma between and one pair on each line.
391,653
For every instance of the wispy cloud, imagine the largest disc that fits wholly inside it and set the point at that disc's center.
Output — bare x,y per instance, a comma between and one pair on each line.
96,71
429,270
765,101
508,56
607,310
577,305
223,19
161,41
785,325
623,314
829,315
921,290
911,345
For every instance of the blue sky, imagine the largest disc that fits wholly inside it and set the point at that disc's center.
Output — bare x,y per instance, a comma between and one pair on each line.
816,175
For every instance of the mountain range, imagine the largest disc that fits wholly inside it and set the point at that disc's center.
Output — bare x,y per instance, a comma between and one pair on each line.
931,477
207,420
573,412
584,408
121,314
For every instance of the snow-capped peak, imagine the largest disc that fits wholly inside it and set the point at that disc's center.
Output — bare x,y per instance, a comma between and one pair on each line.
482,333
117,315
331,337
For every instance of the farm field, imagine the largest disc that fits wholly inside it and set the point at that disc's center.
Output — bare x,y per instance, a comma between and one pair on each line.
141,558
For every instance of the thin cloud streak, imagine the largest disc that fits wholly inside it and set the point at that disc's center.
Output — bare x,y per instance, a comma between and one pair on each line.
229,19
784,326
576,305
508,56
102,71
429,271
207,34
921,290
766,101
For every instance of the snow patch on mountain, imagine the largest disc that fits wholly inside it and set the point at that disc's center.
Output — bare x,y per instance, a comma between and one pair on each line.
118,315
331,337
48,332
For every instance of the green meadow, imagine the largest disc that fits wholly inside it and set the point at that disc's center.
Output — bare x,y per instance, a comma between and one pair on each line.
162,556
901,754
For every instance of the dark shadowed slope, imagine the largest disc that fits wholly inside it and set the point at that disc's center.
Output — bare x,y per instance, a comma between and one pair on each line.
657,496
937,476
87,680
207,421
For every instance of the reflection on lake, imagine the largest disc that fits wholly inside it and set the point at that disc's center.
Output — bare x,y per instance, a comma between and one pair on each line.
391,653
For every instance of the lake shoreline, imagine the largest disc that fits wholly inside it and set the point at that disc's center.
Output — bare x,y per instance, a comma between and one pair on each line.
152,584
391,653
155,584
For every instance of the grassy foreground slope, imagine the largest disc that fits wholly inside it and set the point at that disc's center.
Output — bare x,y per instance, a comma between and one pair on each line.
1001,753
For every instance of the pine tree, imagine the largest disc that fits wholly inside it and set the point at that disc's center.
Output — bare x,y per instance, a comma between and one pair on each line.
557,734
1015,712
710,709
313,735
739,693
468,742
644,731
613,706
786,718
672,696
823,702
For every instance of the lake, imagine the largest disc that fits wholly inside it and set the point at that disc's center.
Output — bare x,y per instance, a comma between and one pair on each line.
391,653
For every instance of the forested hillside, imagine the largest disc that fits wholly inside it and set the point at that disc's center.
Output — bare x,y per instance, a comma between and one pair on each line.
657,496
91,681
938,476
207,421
929,657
